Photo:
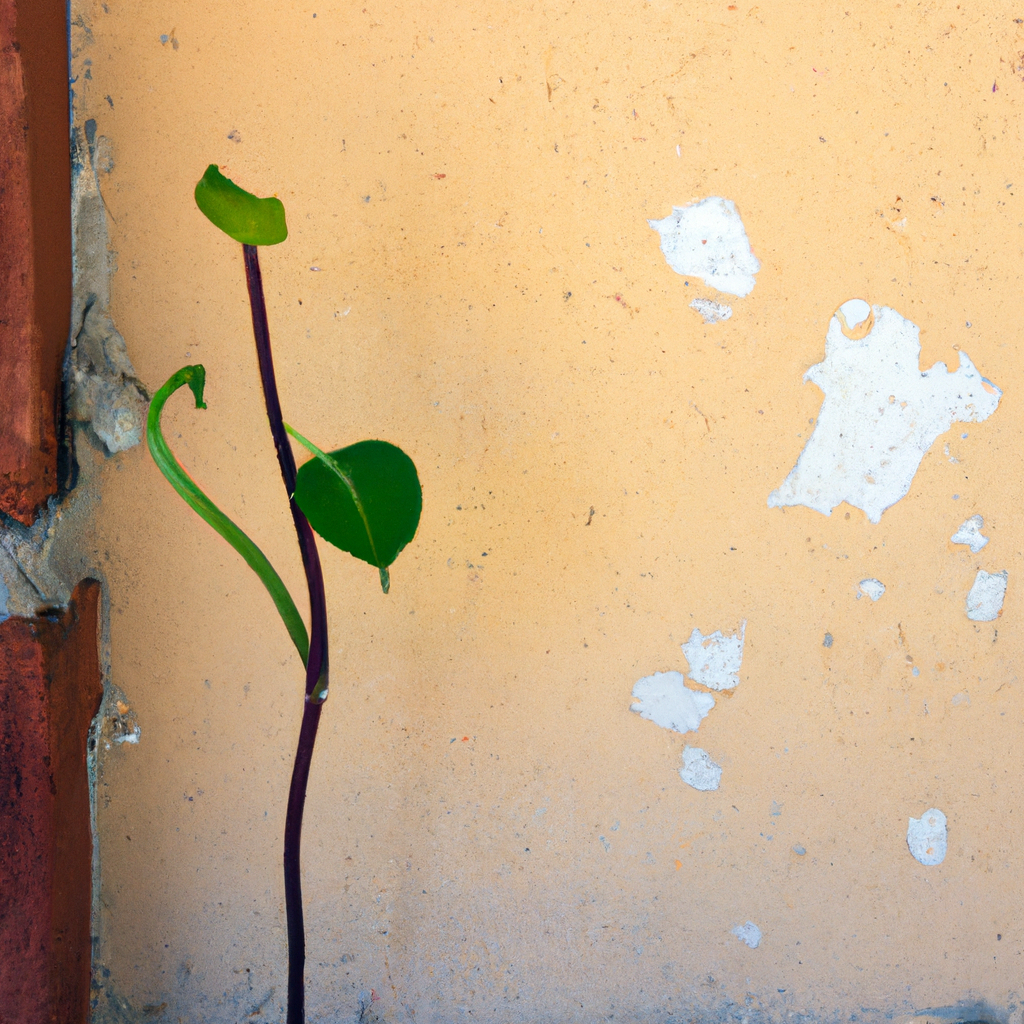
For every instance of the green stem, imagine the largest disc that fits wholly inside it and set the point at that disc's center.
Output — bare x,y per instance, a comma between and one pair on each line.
195,378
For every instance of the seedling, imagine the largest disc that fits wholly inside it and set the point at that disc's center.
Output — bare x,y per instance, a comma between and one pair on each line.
364,498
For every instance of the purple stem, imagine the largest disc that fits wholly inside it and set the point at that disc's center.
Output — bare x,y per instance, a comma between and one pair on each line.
316,666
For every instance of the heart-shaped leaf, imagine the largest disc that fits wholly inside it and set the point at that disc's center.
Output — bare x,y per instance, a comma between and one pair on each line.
365,499
245,217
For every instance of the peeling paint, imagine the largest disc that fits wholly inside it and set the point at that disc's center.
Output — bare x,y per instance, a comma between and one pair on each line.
699,771
748,933
714,661
666,700
712,312
707,239
985,599
855,315
880,414
969,533
926,837
870,588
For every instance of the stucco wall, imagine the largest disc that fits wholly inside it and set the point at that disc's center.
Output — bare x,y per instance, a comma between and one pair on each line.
491,832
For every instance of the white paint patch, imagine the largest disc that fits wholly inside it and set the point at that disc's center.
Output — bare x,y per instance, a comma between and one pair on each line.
714,660
748,933
969,533
132,736
880,415
666,700
712,312
926,837
871,588
707,240
855,312
985,600
699,770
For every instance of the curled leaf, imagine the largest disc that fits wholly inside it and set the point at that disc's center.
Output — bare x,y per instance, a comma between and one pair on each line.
195,378
245,217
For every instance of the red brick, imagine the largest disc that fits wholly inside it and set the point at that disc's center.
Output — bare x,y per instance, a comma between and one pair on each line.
35,247
50,690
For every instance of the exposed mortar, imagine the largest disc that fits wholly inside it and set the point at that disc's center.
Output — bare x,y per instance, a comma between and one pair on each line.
104,407
102,392
103,398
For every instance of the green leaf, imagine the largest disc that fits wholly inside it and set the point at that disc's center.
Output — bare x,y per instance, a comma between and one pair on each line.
365,499
245,217
195,378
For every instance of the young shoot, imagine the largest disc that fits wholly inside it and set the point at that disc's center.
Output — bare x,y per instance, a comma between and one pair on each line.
364,498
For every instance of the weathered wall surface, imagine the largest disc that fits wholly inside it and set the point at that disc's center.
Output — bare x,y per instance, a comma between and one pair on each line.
471,273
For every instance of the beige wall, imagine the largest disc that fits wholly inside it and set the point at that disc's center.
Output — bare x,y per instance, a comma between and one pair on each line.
491,832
